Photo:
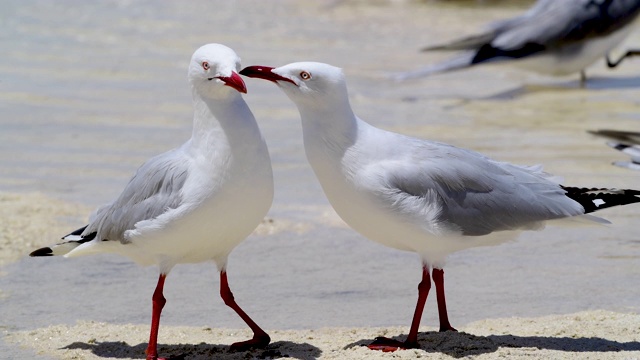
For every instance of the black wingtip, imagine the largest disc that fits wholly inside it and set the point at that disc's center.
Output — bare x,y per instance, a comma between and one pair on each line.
594,199
77,232
488,52
620,146
46,251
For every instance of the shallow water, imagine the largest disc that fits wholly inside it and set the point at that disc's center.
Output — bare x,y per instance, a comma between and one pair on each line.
88,91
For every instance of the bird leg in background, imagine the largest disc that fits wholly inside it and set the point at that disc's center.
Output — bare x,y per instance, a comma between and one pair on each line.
629,53
158,303
438,280
583,78
260,338
387,345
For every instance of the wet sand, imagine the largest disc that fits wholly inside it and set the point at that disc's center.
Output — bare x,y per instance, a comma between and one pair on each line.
88,93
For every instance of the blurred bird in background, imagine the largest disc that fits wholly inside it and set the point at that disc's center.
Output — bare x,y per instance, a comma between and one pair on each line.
554,37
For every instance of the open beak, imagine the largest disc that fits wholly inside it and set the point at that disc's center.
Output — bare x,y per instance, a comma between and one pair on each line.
264,72
235,81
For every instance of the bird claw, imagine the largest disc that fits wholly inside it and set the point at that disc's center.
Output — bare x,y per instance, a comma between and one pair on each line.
389,345
447,328
257,342
155,357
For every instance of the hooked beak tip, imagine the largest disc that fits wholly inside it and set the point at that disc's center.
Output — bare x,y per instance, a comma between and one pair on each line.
256,71
234,81
265,73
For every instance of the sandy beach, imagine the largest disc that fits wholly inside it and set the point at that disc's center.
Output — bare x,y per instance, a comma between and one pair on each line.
32,220
584,335
89,91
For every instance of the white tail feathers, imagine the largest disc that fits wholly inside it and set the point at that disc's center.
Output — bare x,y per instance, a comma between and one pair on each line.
64,248
59,249
73,240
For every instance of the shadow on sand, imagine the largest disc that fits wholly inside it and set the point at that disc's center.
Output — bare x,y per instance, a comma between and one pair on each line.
461,344
122,350
593,83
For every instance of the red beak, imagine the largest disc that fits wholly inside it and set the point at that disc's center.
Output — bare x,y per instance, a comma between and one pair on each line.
263,72
235,81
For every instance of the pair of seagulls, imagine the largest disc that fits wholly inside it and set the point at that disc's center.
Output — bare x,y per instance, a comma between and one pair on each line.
197,202
554,37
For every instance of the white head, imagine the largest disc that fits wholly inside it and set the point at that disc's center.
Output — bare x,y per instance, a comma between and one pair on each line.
213,71
308,84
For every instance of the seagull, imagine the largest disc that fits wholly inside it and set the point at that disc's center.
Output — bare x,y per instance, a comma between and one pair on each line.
194,203
417,195
632,150
556,37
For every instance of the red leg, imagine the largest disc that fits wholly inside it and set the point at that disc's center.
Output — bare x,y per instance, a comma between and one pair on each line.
438,280
388,345
158,303
260,338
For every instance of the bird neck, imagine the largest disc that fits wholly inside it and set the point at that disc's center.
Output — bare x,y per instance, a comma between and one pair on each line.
332,128
226,118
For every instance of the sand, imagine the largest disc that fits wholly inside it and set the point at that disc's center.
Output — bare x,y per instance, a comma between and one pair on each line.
584,335
33,220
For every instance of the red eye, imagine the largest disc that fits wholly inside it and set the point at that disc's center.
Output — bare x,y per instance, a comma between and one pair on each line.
305,75
205,65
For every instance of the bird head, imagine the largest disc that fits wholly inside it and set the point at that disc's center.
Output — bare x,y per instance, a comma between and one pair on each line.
304,82
213,71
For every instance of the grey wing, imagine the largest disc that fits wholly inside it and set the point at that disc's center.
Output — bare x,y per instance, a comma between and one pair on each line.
603,17
497,28
553,23
478,196
478,40
466,43
621,135
154,189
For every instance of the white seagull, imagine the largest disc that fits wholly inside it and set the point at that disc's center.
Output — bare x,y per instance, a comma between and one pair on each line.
418,195
194,203
556,37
